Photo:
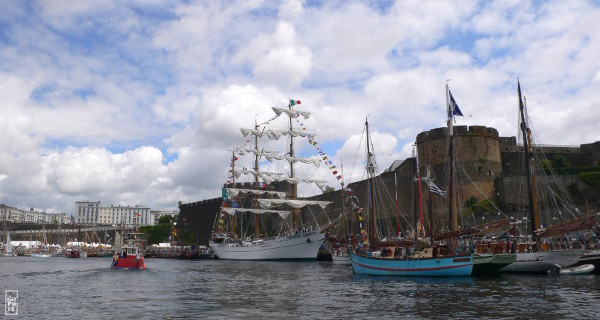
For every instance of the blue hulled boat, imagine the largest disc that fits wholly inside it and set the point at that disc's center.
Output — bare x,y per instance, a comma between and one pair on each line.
396,256
416,265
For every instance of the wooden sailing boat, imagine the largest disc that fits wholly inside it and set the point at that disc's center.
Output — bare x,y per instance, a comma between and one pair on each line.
244,204
339,248
401,257
43,251
531,256
484,264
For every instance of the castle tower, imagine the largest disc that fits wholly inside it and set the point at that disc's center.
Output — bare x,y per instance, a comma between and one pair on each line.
478,164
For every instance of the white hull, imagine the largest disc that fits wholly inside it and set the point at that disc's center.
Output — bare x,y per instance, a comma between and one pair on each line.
304,246
541,262
582,269
41,255
342,260
590,257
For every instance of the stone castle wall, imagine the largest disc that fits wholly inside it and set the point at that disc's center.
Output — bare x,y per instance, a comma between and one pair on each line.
476,152
489,166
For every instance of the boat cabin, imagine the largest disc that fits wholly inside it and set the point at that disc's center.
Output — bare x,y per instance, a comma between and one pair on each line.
129,251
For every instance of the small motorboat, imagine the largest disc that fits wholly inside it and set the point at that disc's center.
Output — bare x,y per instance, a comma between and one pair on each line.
72,253
43,254
131,258
582,269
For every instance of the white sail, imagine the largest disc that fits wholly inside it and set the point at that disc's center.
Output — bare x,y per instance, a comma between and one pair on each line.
296,204
292,113
275,134
291,159
233,211
270,155
234,192
8,245
294,239
270,177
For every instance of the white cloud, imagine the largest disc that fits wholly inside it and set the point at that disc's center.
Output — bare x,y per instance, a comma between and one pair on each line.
282,61
141,102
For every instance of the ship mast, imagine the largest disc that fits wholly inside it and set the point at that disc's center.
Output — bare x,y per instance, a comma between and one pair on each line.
256,170
452,214
293,187
429,181
371,172
233,186
533,209
343,205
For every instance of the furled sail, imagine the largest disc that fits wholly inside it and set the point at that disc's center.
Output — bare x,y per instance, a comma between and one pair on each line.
292,113
234,192
296,204
275,134
270,155
232,211
291,159
270,177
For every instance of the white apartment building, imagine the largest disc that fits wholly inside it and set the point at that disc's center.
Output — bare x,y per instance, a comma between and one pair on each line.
16,215
164,212
94,213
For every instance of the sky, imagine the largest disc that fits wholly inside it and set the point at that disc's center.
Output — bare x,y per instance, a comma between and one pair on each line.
140,102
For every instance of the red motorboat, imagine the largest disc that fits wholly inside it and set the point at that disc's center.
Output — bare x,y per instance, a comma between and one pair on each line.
130,258
72,253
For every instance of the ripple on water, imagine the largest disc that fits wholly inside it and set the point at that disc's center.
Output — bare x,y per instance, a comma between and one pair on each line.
168,289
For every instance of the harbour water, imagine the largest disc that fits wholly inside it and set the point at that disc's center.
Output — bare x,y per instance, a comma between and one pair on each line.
55,288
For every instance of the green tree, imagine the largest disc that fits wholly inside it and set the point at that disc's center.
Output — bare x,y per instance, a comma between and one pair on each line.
559,161
328,189
590,178
546,163
166,219
186,236
156,234
471,202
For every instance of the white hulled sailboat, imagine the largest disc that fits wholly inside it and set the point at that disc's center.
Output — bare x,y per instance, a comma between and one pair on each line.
8,248
283,235
533,257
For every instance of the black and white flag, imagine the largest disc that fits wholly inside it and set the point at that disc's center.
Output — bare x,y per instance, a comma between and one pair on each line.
435,189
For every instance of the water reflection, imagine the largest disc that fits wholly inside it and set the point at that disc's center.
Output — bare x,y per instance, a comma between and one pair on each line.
170,289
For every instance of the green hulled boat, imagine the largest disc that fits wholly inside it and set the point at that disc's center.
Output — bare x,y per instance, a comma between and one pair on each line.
488,264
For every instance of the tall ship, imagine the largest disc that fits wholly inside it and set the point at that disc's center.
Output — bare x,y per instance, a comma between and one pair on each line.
264,219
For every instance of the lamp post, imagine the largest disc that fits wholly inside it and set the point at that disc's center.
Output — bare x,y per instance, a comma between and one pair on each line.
173,229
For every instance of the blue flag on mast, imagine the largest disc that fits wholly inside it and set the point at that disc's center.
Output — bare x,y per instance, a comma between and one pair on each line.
454,110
